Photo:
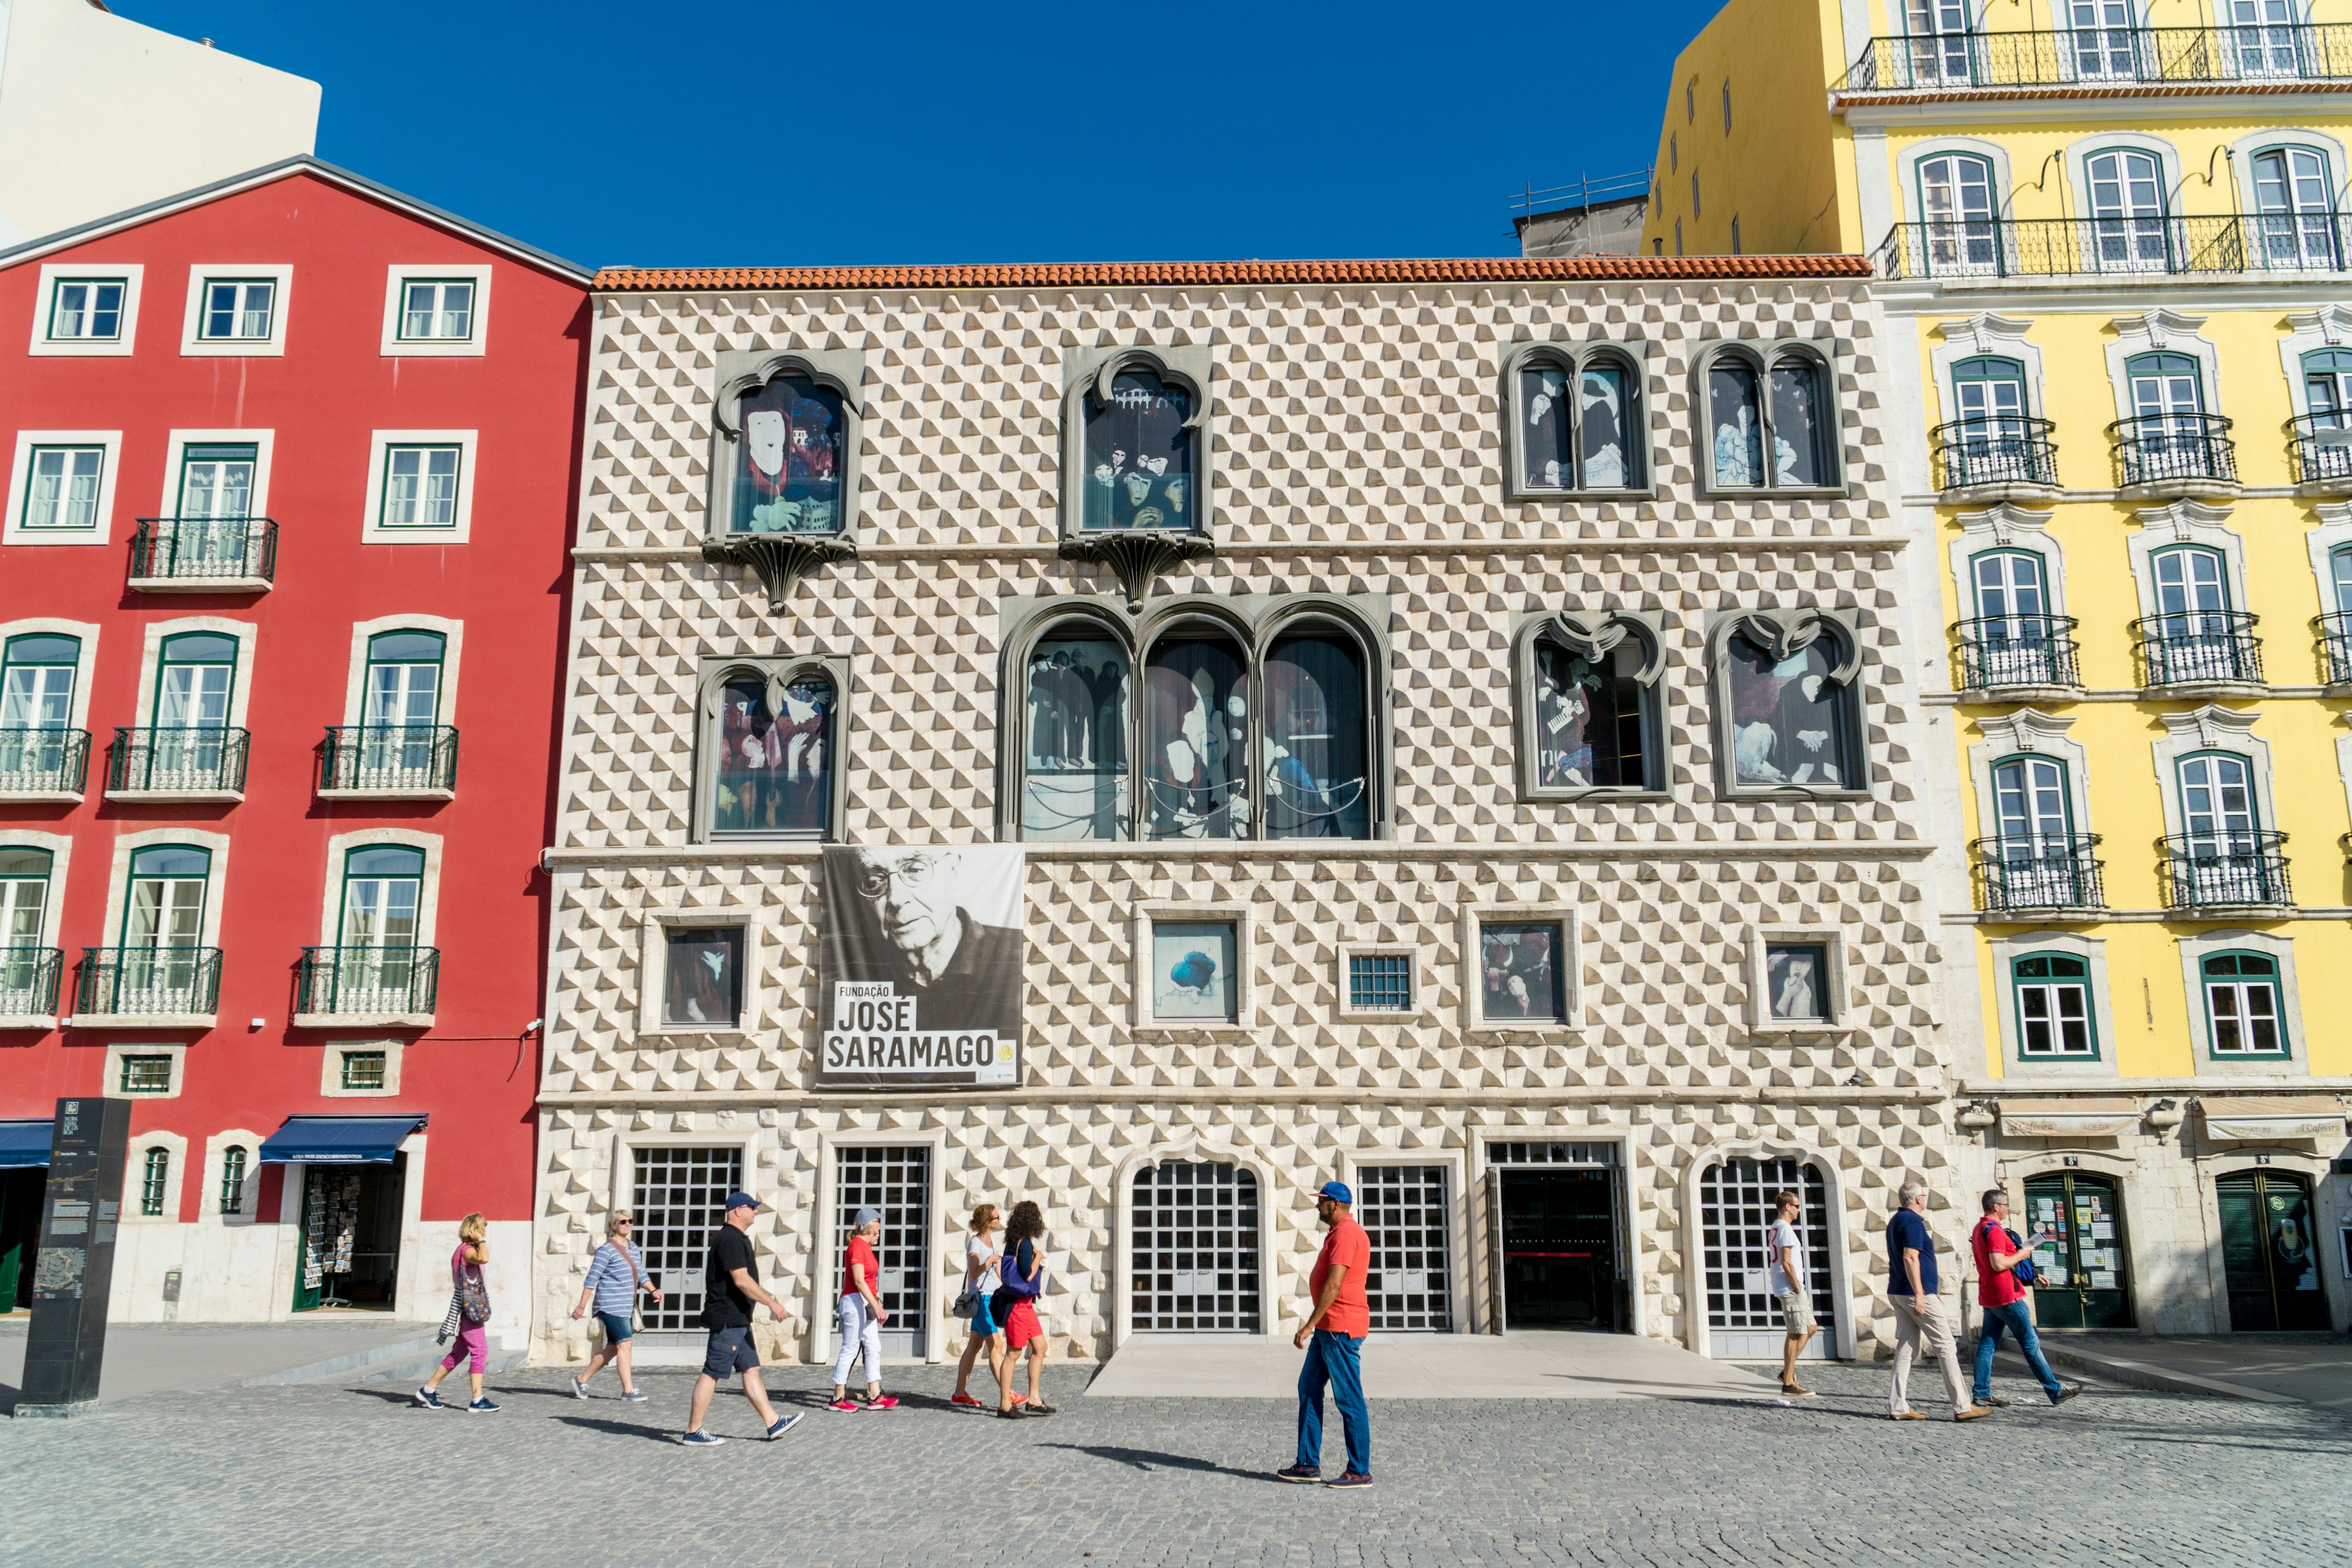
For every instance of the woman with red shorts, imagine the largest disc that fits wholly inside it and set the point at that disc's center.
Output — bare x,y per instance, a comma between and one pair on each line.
1016,1307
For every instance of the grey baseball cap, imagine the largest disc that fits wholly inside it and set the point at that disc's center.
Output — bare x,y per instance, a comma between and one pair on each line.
867,1217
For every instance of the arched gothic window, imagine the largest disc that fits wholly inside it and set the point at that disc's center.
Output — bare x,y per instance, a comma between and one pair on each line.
1575,421
790,461
1136,444
770,732
1590,720
1788,705
1771,423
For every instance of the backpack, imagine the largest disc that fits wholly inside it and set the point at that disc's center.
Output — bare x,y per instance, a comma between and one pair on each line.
2022,1271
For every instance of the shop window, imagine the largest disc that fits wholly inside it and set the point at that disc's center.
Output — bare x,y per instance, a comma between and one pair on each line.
1771,422
1195,971
791,461
1522,966
155,1177
1590,719
147,1075
87,310
769,739
1789,704
1140,452
363,1069
2242,1015
233,1160
62,493
1575,419
2054,1006
1797,982
1380,982
702,977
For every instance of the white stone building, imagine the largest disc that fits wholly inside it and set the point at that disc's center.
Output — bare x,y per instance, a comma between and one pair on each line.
1558,877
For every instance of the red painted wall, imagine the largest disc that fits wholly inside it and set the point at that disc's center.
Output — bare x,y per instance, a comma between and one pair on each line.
473,1073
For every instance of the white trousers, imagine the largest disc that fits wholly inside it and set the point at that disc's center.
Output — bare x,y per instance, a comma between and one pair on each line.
859,1331
1919,1330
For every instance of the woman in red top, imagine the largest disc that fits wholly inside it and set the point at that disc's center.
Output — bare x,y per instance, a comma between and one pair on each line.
861,1316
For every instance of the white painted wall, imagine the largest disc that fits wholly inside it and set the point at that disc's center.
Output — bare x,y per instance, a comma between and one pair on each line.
99,115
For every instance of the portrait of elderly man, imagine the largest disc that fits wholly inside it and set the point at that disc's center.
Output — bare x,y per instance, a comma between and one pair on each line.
939,923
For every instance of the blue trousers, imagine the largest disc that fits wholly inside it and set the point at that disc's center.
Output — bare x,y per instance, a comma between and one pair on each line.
2013,1317
1331,1360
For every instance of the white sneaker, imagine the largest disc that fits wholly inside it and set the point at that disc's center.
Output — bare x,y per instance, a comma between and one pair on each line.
578,1389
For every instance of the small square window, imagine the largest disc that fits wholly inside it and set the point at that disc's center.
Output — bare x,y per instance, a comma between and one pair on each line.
146,1075
420,487
64,491
1193,978
1520,978
436,310
703,976
87,310
1797,982
363,1069
1380,982
238,309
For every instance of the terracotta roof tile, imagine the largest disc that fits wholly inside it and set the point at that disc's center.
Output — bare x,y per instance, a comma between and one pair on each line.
1171,274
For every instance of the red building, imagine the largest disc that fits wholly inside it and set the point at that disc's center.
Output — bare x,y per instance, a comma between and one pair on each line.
291,469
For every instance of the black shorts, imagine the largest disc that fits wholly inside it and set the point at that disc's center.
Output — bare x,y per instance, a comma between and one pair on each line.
729,1350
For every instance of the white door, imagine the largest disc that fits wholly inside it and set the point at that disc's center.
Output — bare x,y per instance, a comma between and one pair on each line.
1940,41
2037,858
216,500
2192,602
1955,202
2297,221
2013,634
2261,37
2103,39
159,970
401,704
2127,230
899,1183
2217,807
36,707
23,895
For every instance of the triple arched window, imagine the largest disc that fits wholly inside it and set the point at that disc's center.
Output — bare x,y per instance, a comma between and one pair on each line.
1205,720
1575,422
1771,422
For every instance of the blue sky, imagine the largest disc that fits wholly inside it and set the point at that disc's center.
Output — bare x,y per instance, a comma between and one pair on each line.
750,131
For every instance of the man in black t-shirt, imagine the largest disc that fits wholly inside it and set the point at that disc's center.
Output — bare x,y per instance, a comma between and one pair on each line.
730,1283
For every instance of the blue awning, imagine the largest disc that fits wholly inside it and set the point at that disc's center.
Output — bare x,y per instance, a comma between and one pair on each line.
24,1146
338,1140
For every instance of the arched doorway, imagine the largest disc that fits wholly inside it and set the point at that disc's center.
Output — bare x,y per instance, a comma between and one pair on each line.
1735,1211
1194,1265
2270,1258
2081,1261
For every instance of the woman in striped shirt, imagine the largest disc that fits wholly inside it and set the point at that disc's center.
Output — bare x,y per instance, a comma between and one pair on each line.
616,1275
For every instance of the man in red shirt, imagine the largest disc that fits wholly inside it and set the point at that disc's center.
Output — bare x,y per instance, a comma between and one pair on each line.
2003,1301
1333,1339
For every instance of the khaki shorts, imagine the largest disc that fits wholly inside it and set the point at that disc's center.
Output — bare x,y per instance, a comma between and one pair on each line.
1796,1313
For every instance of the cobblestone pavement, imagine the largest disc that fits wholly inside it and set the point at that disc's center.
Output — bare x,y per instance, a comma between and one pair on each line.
341,1476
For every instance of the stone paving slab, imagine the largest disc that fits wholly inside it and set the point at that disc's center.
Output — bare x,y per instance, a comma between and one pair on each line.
153,1358
2316,1368
1431,1366
331,1476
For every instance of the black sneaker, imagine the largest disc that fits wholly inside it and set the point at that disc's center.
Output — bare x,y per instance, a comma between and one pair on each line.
1304,1475
1352,1481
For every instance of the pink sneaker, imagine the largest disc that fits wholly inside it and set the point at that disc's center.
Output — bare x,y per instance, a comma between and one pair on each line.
842,1404
966,1402
879,1402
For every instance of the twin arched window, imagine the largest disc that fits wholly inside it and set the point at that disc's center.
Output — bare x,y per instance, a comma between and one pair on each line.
1234,731
770,733
1575,421
1768,420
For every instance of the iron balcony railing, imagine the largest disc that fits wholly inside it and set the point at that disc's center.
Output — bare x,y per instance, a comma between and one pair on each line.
2017,650
2323,447
2100,56
368,980
2184,647
28,982
149,981
43,761
182,761
389,757
2053,873
2156,447
2121,247
2335,647
1995,452
2205,869
202,549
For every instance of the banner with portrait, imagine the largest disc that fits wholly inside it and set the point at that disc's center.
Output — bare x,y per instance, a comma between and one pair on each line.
918,970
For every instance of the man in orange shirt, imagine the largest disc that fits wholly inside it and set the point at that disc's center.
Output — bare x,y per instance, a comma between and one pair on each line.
1333,1339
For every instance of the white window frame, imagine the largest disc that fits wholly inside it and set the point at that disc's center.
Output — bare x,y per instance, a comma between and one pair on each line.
216,1148
194,346
397,279
20,478
134,1162
118,880
2003,952
653,967
131,275
380,445
60,851
85,667
1416,1007
1841,1011
331,1069
2162,331
175,450
1572,972
1142,920
2212,728
111,1088
453,644
2198,946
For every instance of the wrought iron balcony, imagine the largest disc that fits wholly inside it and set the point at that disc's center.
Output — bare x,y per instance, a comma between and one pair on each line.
196,761
201,551
2119,247
1995,452
2057,873
2161,448
2197,647
2323,448
149,981
2206,870
381,981
2103,57
2017,650
43,761
29,982
2336,647
370,759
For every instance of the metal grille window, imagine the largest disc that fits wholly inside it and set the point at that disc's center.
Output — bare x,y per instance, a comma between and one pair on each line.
363,1069
151,1182
1380,982
899,1183
1736,1216
675,1201
1402,1210
146,1075
1194,1267
1552,1153
232,1185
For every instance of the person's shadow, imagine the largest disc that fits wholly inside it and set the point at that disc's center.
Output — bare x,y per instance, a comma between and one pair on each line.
620,1428
1147,1459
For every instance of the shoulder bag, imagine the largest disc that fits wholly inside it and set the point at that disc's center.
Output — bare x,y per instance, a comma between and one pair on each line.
473,1295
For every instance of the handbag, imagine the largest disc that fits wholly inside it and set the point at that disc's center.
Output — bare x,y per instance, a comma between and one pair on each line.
473,1298
967,1300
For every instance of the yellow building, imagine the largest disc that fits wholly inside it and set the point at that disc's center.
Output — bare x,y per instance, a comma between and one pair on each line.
2117,266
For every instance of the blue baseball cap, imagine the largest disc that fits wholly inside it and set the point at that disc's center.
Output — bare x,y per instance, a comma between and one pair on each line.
1337,1192
740,1201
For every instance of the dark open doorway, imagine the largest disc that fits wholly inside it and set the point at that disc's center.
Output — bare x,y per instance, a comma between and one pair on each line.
1562,1264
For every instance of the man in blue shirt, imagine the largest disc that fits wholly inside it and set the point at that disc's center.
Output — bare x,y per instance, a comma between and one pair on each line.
1912,1286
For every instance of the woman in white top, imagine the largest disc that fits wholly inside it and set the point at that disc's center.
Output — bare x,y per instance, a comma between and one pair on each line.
983,1265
